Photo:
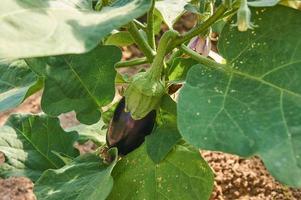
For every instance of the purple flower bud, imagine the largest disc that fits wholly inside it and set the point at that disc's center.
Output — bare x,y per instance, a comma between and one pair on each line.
193,42
201,45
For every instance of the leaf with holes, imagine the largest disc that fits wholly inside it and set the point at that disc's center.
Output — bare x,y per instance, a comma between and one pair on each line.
83,83
28,143
253,105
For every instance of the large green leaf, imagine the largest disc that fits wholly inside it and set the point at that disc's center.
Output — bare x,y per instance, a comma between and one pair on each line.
28,143
86,178
82,83
171,10
166,135
32,28
252,106
17,82
182,175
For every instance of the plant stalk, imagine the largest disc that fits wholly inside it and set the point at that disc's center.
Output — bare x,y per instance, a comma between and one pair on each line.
150,26
131,63
158,63
202,59
141,42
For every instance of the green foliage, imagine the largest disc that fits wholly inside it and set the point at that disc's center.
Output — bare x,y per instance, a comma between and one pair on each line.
95,133
86,178
122,38
28,143
17,82
53,27
83,82
248,105
182,175
166,135
179,68
251,106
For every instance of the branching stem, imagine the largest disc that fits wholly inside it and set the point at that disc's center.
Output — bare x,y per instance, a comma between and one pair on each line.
141,42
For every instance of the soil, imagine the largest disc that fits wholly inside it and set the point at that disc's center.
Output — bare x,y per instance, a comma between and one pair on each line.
245,179
16,189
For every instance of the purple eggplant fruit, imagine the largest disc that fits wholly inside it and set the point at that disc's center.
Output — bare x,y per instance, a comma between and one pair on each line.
125,133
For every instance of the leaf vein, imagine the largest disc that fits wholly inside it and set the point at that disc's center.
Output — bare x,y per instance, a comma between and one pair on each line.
279,67
289,135
82,82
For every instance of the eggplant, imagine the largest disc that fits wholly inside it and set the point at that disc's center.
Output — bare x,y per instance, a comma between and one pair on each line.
125,133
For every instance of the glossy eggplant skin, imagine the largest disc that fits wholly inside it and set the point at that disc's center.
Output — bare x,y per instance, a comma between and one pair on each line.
127,134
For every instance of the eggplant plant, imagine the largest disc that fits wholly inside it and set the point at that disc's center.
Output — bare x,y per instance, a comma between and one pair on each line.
237,93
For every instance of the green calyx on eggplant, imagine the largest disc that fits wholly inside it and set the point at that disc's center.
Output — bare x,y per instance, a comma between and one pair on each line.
144,94
126,133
